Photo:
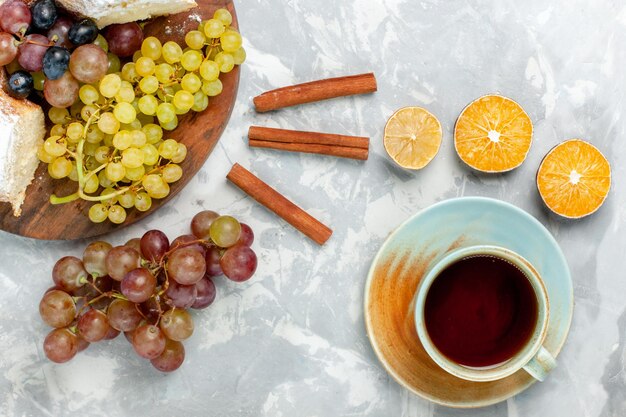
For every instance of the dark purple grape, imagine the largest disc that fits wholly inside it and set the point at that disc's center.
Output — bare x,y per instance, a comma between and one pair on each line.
124,39
89,63
20,84
55,62
138,285
123,315
69,273
153,308
8,48
148,341
57,309
58,33
172,357
44,14
60,345
121,260
62,92
239,263
205,289
201,223
154,244
186,266
31,52
247,235
14,16
181,296
83,32
183,241
212,258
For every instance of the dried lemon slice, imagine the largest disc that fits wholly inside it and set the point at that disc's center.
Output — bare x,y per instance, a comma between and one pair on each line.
412,137
493,134
574,179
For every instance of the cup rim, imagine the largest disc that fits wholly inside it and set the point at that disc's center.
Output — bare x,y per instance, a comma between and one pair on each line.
524,355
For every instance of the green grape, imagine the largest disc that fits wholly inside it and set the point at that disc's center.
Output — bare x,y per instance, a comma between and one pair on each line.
58,116
87,111
230,41
166,112
108,123
168,148
191,82
139,138
90,162
44,156
94,135
102,43
102,154
171,125
191,60
110,85
135,174
122,140
117,214
225,61
183,100
195,39
149,85
148,104
136,56
91,184
107,192
200,101
172,173
239,56
201,26
73,173
38,80
115,171
54,146
225,231
213,28
151,48
155,186
108,140
145,66
132,158
114,63
153,132
74,132
76,108
58,130
164,73
150,154
125,112
209,70
126,200
134,125
90,149
59,168
171,52
143,201
145,119
212,88
180,155
104,180
223,16
88,94
129,73
98,213
126,93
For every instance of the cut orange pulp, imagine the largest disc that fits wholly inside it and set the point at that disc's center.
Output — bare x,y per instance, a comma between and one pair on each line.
493,134
412,137
574,179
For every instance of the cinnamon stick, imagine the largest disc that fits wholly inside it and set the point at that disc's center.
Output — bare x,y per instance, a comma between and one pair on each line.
296,136
340,151
315,91
280,205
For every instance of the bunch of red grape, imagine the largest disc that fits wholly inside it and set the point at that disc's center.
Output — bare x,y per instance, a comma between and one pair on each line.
144,288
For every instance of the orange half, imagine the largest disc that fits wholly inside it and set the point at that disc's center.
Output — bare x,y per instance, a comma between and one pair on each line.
412,137
574,179
493,134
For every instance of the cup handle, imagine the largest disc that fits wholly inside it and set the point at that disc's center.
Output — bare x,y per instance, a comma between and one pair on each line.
541,364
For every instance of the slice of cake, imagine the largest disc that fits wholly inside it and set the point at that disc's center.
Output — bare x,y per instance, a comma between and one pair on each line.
22,129
107,12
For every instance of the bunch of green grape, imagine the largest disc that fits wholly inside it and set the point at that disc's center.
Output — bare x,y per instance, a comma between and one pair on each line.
112,141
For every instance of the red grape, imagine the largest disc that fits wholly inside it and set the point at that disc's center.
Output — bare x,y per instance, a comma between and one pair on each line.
148,341
68,273
8,48
154,244
124,39
89,63
177,324
205,289
201,223
138,285
31,52
103,284
153,308
134,243
60,345
213,267
82,344
93,326
239,263
62,92
94,257
184,240
111,334
121,260
172,357
247,235
181,296
186,266
58,33
14,16
57,309
123,315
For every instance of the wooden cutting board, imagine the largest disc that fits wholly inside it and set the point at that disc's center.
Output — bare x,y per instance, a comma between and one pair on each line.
198,131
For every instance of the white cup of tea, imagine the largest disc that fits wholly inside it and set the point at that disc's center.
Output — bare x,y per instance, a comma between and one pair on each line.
481,313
